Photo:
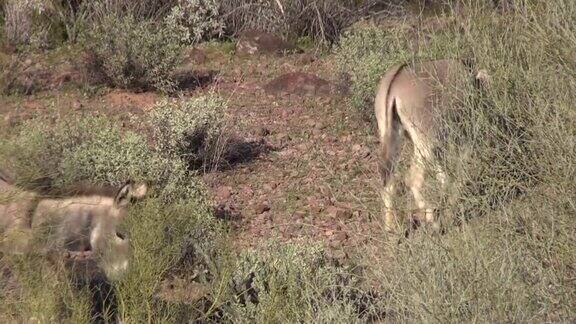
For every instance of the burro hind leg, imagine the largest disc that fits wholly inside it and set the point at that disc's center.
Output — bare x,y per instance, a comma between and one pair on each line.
390,215
389,153
416,179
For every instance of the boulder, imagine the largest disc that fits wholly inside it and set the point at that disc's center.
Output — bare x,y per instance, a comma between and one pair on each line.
299,83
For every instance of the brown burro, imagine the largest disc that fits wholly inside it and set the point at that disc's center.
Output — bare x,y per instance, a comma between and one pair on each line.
83,221
407,99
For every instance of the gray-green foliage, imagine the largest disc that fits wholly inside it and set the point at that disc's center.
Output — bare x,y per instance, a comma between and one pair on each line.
43,293
74,149
95,149
159,234
202,18
321,20
291,282
192,130
134,52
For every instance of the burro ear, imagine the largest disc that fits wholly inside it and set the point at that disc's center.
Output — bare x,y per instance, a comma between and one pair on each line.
140,191
129,191
483,79
122,198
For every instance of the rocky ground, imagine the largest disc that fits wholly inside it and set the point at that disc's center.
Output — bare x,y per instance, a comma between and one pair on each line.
304,164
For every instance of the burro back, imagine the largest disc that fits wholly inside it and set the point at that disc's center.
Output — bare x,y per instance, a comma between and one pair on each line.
85,222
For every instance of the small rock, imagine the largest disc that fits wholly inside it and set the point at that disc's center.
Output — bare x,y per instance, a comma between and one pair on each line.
224,193
263,131
253,42
262,207
340,236
299,83
339,213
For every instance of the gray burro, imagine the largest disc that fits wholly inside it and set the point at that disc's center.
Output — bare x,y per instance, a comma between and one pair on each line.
86,220
406,100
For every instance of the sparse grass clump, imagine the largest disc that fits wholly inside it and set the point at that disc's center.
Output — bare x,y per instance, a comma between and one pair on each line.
290,282
28,23
43,292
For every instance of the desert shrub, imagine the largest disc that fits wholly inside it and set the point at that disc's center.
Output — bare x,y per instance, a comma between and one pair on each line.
202,18
141,9
43,293
65,152
290,282
174,225
162,236
62,153
72,15
512,266
131,52
321,20
29,22
191,130
365,53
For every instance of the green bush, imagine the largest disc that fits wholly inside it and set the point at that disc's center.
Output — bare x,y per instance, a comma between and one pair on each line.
202,18
131,52
66,152
511,266
174,225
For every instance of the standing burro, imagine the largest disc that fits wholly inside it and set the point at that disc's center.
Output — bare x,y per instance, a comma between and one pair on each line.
84,220
407,99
